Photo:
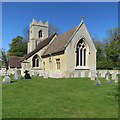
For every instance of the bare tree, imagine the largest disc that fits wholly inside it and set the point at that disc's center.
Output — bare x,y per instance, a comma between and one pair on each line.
26,34
52,28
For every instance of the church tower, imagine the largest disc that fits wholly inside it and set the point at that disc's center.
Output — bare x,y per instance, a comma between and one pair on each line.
38,31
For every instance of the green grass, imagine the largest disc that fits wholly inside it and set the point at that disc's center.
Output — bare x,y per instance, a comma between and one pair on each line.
59,98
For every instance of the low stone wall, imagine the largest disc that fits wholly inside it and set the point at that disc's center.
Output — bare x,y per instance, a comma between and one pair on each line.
103,72
76,73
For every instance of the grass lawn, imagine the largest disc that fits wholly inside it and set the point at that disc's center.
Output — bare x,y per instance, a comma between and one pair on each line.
59,98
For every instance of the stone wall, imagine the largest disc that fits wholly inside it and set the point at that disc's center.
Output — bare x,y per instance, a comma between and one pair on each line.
103,72
78,73
51,68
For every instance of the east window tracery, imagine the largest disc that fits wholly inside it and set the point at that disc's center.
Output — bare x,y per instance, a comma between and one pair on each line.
81,53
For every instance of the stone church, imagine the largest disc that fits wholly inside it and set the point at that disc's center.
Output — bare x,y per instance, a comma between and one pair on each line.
70,54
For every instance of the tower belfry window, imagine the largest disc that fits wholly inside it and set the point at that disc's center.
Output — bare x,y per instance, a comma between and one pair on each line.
40,34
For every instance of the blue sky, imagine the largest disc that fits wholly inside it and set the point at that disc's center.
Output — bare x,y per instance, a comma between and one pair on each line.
98,17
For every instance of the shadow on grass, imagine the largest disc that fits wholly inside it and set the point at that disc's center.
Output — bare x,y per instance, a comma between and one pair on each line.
13,81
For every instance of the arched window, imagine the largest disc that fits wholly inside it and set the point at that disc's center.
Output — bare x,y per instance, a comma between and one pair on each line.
40,34
36,61
58,63
81,54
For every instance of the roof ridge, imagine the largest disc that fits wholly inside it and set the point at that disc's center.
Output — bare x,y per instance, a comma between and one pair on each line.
68,30
77,27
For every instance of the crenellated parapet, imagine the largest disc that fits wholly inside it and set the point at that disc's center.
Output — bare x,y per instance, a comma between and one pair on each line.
40,23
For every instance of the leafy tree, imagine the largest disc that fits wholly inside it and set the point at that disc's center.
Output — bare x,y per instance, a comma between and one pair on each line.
18,47
100,55
112,48
3,57
108,51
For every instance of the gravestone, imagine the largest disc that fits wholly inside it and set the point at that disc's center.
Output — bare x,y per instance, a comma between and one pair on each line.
76,74
19,73
114,76
72,76
116,79
3,69
36,74
107,77
103,74
67,75
100,74
27,75
45,74
31,72
108,81
40,73
16,76
97,81
9,74
57,74
92,75
82,73
6,79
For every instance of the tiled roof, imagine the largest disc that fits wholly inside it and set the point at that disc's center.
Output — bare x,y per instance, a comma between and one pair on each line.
40,46
58,44
14,61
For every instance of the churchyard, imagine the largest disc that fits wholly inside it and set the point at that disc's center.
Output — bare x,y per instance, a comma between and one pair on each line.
61,65
59,98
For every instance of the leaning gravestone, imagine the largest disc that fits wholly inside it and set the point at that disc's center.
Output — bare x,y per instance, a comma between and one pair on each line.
27,75
16,76
36,74
116,79
97,81
6,79
108,81
45,74
114,76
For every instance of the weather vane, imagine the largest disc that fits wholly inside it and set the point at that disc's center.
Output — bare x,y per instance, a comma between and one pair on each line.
82,17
